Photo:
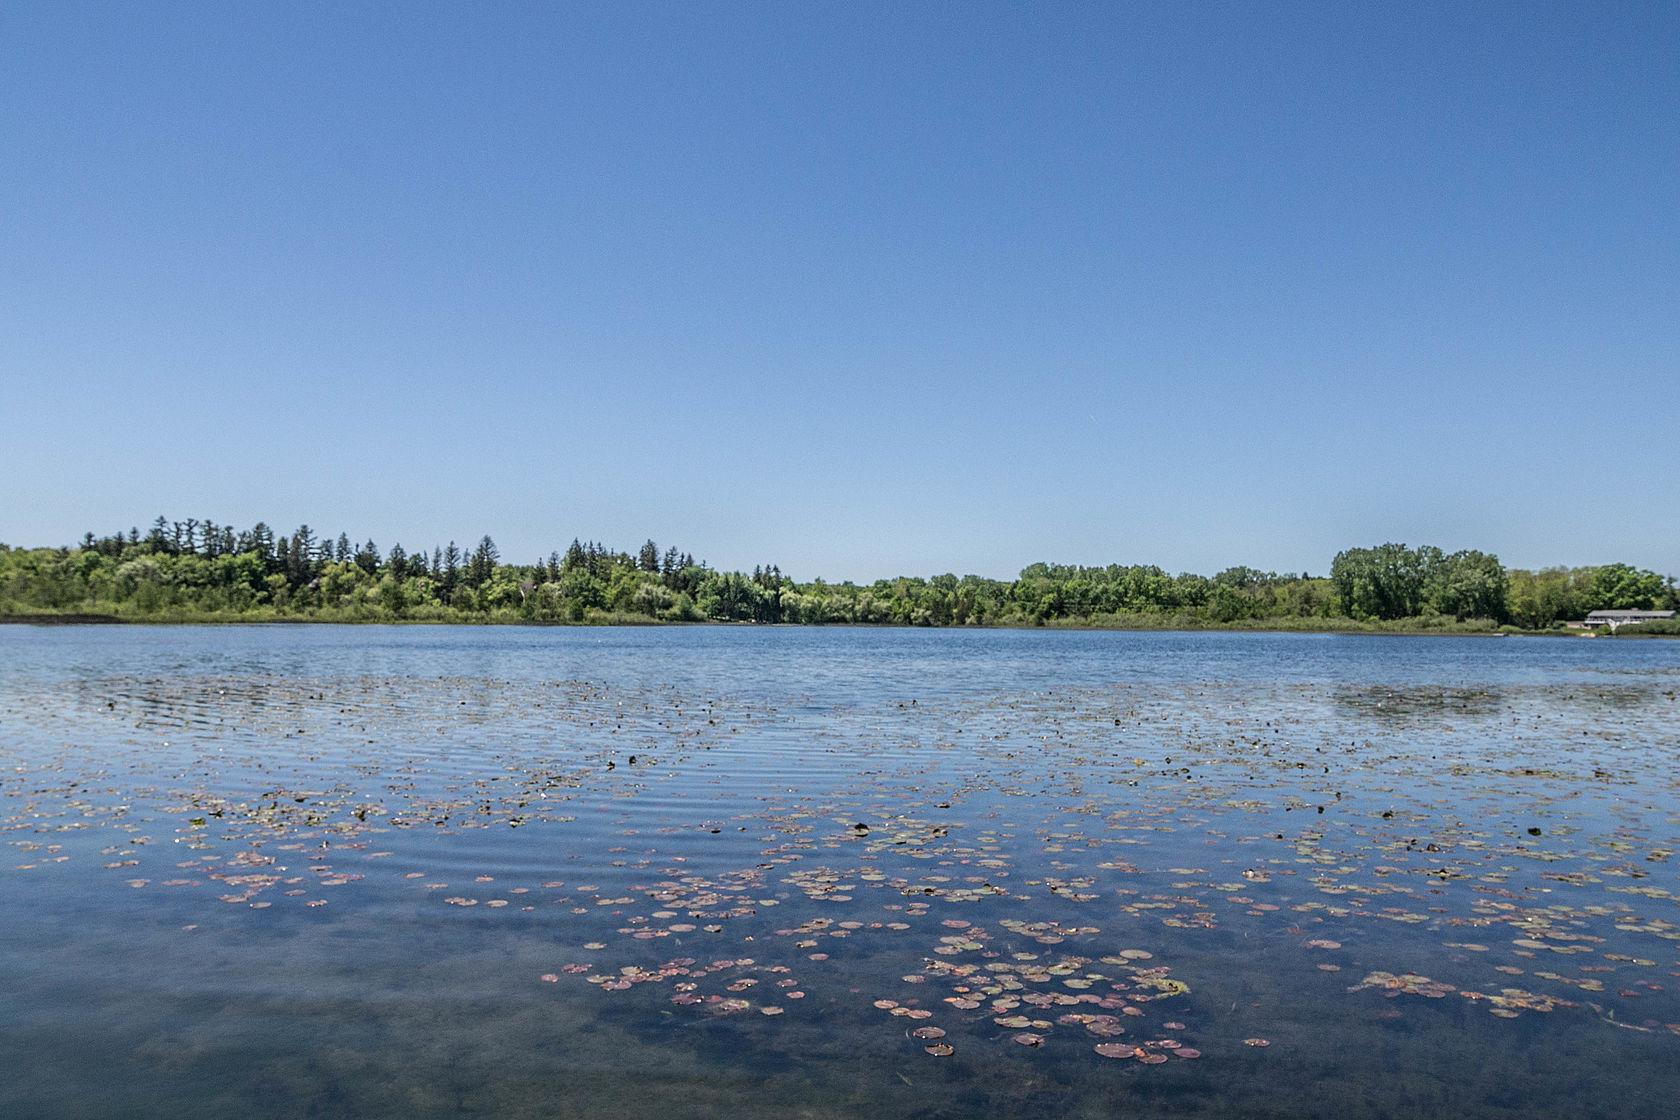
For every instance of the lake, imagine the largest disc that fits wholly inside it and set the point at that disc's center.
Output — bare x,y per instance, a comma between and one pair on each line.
416,871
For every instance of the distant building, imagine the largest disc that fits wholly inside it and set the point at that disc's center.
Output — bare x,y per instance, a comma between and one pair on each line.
1613,619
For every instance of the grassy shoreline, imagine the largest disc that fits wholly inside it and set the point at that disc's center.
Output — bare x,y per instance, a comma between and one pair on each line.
1138,622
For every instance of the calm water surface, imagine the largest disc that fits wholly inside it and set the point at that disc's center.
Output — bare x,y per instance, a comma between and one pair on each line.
425,871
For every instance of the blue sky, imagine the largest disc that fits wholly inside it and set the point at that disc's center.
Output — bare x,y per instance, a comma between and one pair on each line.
861,289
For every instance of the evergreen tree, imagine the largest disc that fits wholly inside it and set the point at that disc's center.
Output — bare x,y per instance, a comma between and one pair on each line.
261,541
483,563
300,564
451,568
303,545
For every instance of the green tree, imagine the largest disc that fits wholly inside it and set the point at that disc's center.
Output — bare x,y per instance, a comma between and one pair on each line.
1384,582
451,571
1466,584
482,566
1620,587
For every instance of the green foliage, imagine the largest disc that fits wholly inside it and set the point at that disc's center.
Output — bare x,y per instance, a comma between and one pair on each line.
1542,599
1391,581
1466,584
1551,596
1619,587
1378,583
199,570
1659,627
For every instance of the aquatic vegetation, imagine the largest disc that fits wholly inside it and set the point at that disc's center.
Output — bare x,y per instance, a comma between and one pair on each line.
1054,879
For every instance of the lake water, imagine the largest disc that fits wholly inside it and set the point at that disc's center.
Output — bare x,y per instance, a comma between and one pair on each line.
323,871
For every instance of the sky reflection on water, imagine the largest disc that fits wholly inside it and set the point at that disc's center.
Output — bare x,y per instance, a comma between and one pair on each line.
414,871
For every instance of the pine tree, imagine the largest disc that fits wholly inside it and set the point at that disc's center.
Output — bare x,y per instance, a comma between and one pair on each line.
261,541
483,563
451,568
300,566
303,545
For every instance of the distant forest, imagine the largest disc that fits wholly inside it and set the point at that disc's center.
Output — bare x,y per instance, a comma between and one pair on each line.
201,571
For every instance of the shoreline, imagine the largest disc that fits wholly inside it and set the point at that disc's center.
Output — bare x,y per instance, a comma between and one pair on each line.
1147,623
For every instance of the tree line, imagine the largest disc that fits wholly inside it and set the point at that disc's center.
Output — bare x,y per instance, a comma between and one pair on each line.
204,570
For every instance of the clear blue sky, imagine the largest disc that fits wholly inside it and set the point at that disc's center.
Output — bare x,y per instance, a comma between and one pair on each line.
859,289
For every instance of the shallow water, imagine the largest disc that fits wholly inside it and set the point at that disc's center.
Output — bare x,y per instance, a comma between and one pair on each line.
572,872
